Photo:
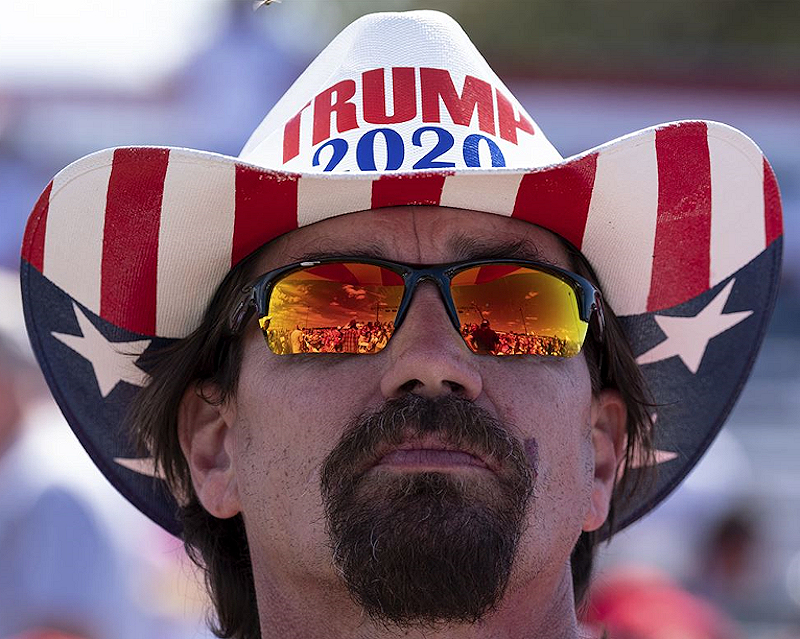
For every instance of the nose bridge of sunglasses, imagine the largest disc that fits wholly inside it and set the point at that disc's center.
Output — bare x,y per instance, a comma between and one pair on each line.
430,281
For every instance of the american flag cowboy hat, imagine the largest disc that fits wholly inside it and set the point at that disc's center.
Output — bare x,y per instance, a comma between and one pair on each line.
681,222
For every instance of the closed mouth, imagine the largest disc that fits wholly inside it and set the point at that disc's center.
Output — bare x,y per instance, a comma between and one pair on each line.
431,453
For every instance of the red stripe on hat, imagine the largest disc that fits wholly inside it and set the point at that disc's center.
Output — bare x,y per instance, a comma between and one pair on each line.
681,254
407,190
558,199
33,240
266,207
130,239
772,205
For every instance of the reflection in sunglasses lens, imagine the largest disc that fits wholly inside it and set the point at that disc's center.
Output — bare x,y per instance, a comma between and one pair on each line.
343,307
514,310
350,307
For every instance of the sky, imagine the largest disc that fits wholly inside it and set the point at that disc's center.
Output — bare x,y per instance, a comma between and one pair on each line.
123,44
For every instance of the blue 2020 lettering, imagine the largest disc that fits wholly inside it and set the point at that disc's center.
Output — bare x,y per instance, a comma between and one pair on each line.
444,144
339,147
395,150
472,147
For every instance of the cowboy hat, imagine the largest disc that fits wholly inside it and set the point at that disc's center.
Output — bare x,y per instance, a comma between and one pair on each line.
681,222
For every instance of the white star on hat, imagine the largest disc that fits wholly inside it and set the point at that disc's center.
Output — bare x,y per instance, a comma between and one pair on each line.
639,458
112,362
147,466
142,465
688,337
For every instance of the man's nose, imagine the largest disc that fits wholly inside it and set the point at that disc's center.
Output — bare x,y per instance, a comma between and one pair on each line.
426,354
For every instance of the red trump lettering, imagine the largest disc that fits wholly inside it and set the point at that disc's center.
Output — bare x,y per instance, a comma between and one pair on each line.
291,136
404,94
325,106
508,121
477,94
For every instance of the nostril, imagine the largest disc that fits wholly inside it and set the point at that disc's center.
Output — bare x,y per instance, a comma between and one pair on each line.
454,387
410,386
416,385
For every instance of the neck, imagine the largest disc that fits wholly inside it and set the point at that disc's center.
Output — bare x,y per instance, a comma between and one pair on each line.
532,610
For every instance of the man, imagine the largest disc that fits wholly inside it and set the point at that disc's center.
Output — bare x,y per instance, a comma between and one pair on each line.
296,339
485,340
425,489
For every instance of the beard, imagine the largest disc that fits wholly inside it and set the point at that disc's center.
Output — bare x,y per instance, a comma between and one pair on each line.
426,548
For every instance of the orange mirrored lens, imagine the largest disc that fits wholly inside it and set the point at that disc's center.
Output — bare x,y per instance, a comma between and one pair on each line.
514,310
344,307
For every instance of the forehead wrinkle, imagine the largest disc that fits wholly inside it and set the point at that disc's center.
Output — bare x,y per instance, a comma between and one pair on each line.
415,230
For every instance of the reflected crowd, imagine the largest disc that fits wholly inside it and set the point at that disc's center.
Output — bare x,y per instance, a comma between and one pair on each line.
355,337
481,340
372,337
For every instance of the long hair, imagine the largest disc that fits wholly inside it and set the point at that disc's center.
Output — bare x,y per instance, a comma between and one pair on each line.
612,365
217,546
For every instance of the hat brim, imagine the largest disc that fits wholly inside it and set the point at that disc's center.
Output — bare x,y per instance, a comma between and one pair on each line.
682,221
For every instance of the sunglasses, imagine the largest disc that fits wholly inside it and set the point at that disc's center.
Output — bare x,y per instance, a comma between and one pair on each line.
354,305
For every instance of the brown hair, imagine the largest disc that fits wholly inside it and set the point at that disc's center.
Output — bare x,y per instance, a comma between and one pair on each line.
210,354
218,546
612,365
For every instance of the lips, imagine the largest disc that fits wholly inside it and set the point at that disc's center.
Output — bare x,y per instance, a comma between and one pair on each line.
430,452
428,457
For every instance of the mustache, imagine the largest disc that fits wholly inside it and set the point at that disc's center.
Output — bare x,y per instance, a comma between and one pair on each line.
456,421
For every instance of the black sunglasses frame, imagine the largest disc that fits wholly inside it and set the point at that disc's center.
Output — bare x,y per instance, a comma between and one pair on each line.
256,295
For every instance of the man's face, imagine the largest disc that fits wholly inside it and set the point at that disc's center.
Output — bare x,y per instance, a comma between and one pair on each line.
290,416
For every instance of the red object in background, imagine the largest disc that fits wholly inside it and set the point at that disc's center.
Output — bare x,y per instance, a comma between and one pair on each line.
641,603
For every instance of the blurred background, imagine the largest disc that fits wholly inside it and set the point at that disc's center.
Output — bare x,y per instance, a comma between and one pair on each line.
721,558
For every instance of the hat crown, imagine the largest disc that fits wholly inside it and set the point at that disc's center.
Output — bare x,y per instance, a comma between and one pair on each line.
398,92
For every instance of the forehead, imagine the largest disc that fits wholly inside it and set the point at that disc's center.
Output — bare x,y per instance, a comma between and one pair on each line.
417,234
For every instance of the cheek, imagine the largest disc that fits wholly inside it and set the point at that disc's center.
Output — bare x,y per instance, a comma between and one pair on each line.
565,448
289,415
549,406
548,400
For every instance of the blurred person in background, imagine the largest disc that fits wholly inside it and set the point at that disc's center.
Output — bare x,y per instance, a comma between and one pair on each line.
726,557
264,462
65,570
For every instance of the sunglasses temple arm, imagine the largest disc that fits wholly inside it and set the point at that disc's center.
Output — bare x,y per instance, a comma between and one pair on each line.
243,311
599,311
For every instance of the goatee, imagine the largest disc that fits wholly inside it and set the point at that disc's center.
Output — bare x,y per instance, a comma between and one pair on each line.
434,547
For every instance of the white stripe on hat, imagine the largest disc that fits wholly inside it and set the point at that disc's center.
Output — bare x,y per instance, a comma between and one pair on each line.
737,202
76,218
621,225
319,197
491,193
197,215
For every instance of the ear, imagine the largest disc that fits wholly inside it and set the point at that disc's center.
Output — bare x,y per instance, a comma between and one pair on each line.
609,438
206,439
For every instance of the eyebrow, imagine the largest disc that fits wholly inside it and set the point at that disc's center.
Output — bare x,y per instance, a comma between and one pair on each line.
329,248
461,246
466,247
